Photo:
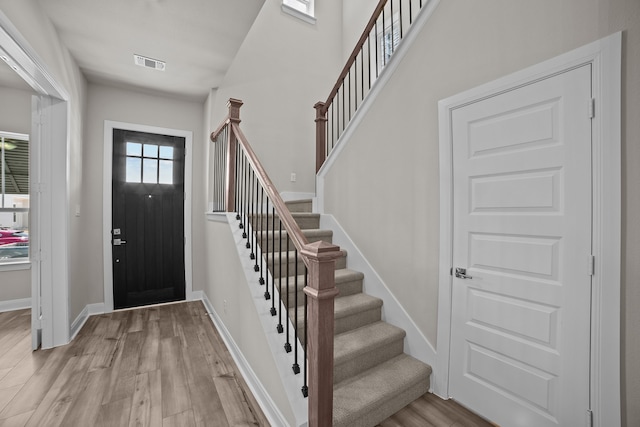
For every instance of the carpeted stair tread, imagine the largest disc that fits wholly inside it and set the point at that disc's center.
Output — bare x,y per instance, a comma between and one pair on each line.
348,282
363,348
376,394
351,312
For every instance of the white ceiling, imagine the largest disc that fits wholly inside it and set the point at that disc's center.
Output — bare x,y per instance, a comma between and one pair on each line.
197,39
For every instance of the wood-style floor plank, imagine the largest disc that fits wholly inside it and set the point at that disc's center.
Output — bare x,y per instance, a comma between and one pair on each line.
154,366
145,367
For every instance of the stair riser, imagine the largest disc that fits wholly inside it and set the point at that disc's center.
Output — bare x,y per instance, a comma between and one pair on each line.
282,270
281,244
305,222
299,206
345,288
346,323
357,320
368,360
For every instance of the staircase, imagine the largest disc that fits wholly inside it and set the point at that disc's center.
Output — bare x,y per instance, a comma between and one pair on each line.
373,377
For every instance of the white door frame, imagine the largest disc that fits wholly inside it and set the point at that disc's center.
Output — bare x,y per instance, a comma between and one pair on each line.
605,56
49,229
109,126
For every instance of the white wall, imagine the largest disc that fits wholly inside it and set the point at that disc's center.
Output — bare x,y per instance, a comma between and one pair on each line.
15,116
282,69
384,188
110,103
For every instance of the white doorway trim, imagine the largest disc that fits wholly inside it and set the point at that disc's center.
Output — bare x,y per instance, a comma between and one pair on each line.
49,228
109,126
605,57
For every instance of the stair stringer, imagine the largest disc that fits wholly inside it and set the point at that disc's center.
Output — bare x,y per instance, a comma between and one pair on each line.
415,343
292,383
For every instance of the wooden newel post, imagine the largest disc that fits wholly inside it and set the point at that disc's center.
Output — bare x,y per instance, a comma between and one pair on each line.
234,117
321,290
321,134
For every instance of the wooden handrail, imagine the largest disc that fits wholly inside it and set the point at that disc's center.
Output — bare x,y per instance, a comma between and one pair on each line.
352,58
320,259
220,128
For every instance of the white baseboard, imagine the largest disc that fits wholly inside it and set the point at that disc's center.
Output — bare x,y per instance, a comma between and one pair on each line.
78,323
15,304
267,404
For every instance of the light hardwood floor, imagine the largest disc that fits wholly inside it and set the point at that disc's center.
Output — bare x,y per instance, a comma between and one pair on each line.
155,366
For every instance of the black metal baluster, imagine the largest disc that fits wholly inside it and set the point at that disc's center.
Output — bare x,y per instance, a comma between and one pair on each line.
296,366
287,344
376,42
242,193
400,12
280,329
369,58
305,388
237,185
265,254
362,74
262,238
343,108
247,217
273,261
410,12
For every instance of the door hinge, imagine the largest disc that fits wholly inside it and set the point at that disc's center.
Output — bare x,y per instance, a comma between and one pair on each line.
451,271
589,422
592,108
592,265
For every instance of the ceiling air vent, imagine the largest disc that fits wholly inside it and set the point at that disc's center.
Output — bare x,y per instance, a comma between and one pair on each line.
143,61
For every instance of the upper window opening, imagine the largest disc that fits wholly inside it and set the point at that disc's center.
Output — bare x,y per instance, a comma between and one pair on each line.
14,197
303,9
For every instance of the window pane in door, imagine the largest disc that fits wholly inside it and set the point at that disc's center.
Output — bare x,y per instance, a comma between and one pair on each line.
134,149
150,171
150,150
166,152
133,169
166,172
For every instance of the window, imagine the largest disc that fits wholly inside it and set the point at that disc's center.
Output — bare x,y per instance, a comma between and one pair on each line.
149,163
14,197
388,39
303,9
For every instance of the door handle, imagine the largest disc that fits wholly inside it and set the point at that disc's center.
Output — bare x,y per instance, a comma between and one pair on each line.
118,242
461,273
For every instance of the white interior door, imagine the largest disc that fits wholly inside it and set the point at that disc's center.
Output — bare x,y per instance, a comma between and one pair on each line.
520,325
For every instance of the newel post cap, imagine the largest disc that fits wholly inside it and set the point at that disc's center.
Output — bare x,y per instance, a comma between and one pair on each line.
321,251
234,109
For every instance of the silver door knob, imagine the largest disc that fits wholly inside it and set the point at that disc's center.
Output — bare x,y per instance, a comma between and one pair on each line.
118,242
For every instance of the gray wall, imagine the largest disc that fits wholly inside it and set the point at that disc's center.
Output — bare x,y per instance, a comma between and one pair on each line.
396,184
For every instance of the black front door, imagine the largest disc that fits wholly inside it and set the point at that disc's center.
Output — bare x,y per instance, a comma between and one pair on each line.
148,218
